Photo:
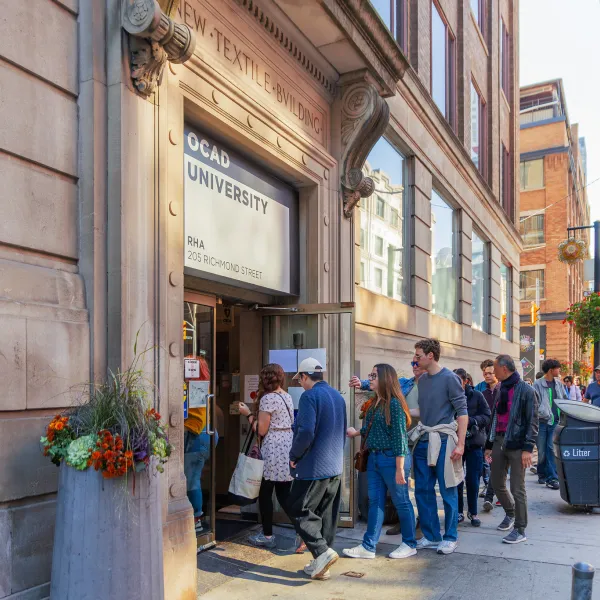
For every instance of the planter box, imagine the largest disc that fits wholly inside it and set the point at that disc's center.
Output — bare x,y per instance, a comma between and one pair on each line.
107,540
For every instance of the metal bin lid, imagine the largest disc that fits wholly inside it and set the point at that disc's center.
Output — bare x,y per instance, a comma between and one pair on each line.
580,410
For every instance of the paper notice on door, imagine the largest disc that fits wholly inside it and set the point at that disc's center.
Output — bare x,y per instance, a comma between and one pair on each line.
250,388
191,368
319,354
198,394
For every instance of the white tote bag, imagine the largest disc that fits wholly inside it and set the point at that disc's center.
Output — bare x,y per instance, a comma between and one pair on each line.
247,477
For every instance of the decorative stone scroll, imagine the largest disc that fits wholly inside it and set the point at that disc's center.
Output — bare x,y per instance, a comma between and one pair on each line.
154,40
365,116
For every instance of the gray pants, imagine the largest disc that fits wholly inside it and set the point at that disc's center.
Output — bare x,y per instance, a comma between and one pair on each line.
514,502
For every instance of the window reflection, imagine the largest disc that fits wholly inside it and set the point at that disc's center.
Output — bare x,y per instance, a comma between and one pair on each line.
443,258
479,284
505,302
383,223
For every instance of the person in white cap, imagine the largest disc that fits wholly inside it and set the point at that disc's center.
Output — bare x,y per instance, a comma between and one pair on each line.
316,464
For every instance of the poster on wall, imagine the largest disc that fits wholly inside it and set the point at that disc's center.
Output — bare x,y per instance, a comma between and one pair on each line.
241,223
527,349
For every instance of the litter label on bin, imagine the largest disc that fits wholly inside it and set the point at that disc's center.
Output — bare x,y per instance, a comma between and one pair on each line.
579,452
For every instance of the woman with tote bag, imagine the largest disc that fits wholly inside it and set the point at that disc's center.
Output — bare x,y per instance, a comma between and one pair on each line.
274,425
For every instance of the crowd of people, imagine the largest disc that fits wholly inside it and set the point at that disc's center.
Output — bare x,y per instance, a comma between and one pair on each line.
449,431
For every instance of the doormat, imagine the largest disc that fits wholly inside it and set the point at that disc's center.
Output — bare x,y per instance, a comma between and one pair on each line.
226,529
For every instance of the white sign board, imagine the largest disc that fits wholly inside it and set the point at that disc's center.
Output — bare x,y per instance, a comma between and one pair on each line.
319,354
286,359
233,230
191,368
250,388
198,394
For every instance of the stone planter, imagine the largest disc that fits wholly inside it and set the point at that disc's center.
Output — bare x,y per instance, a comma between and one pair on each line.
107,541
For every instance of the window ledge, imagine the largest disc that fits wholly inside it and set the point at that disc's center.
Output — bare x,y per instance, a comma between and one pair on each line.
480,34
534,247
533,189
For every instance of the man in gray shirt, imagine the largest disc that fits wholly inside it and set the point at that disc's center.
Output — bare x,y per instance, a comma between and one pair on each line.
442,401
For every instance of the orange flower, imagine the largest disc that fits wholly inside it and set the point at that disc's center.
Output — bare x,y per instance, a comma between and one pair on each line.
96,455
129,454
59,426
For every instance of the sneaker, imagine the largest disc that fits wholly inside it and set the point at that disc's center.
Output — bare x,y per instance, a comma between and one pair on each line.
553,484
506,524
424,543
474,520
482,493
461,518
261,540
447,547
395,530
323,562
198,524
488,506
309,569
516,536
533,470
403,551
542,480
358,552
498,503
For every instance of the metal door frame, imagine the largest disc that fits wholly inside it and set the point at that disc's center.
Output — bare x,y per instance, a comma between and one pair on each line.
206,540
329,309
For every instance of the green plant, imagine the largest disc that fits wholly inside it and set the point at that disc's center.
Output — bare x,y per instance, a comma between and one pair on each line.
584,317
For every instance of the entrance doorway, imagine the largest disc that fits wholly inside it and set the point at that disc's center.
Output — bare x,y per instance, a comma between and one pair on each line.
226,345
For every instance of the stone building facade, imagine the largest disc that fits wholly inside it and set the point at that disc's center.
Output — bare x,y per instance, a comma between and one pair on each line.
106,102
553,197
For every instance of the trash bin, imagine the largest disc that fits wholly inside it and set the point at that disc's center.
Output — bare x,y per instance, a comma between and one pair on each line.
577,451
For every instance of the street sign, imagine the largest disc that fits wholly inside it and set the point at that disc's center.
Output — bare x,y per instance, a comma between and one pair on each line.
542,357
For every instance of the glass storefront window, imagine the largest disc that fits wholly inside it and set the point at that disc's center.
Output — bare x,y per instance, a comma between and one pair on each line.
479,285
505,302
443,258
384,223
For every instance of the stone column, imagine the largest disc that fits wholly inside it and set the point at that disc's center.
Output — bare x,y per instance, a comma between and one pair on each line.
420,240
465,265
495,291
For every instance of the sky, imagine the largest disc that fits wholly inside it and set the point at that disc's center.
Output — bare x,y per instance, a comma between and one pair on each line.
561,39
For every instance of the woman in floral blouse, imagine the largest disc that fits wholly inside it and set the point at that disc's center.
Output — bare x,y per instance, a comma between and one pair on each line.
386,421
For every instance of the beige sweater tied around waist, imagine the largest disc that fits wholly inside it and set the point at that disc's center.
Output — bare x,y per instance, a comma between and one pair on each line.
453,469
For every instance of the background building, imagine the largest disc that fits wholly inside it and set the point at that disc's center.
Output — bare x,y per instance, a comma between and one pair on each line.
553,197
437,250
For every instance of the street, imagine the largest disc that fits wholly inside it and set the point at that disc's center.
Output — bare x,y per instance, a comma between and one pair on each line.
482,566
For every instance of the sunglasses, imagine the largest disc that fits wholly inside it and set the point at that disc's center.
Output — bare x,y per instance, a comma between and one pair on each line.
372,376
414,363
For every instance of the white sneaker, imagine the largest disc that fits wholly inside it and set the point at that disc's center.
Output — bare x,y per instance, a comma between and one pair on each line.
358,552
309,569
447,547
424,543
403,551
322,563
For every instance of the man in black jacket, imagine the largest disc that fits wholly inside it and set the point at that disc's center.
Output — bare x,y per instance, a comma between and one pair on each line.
510,444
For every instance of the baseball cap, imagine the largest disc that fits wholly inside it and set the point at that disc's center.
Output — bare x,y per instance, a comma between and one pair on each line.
308,365
597,368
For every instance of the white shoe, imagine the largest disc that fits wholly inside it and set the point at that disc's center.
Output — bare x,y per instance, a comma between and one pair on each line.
403,551
358,552
322,563
447,547
309,569
424,543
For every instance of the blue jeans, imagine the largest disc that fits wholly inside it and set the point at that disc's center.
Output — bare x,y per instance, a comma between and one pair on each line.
546,463
425,478
381,475
473,459
197,452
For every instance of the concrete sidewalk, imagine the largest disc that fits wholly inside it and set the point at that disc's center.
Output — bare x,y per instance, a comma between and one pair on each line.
482,566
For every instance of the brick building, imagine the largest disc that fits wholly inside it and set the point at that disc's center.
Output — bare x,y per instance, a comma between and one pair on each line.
396,118
553,197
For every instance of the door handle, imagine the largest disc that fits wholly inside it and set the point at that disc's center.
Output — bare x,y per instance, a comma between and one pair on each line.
209,429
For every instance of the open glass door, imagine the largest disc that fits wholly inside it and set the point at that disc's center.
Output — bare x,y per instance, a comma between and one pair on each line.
325,332
201,436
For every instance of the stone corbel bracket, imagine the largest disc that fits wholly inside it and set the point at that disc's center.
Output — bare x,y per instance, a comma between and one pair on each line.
365,117
154,39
